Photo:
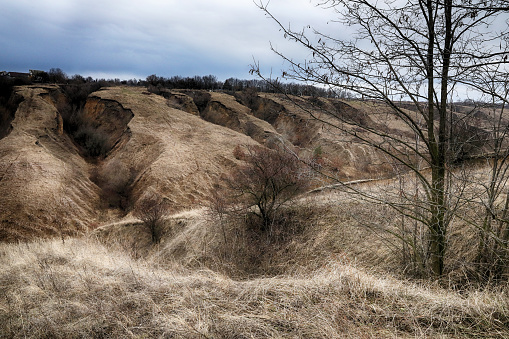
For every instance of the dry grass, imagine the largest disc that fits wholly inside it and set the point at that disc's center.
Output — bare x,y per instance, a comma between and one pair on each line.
43,180
328,280
173,153
82,289
320,226
46,184
207,277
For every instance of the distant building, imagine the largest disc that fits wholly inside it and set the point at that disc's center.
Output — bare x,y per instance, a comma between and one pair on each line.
38,76
35,72
32,75
19,75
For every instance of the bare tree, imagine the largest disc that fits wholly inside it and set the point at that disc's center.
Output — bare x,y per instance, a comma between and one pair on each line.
265,182
492,250
56,75
219,207
152,210
423,51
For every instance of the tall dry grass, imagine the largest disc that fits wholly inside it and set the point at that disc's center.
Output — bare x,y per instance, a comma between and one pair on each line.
81,288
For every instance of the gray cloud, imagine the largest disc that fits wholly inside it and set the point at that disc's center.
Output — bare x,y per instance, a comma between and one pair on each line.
139,38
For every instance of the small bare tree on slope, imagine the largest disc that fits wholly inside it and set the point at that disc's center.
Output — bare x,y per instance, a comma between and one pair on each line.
152,210
266,180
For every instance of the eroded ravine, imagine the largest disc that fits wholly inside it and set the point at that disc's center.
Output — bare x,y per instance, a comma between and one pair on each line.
9,102
109,119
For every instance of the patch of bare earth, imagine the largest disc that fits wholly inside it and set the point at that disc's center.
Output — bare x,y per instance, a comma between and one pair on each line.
50,188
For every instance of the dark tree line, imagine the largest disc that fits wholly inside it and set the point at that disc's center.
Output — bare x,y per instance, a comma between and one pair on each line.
211,83
197,82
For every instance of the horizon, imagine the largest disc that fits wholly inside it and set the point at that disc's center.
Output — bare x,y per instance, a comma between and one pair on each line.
132,40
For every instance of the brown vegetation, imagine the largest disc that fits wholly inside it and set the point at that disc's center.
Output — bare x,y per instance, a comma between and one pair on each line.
95,125
157,148
83,289
115,179
266,181
151,211
318,265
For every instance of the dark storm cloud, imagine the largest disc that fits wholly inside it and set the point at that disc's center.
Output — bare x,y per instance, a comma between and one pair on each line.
126,39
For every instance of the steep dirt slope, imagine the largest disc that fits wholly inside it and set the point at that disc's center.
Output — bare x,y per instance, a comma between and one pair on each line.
171,152
223,110
50,187
318,137
266,117
44,182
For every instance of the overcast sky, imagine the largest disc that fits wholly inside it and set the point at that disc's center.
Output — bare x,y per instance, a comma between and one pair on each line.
133,39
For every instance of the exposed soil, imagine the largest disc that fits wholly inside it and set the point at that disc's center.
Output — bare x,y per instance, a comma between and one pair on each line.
109,119
74,160
9,102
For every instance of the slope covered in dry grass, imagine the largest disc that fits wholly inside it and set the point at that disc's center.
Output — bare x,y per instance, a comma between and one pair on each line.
50,188
80,288
44,182
176,146
335,272
171,152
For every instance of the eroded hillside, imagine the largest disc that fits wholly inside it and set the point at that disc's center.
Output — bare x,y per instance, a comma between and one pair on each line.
44,181
74,160
51,187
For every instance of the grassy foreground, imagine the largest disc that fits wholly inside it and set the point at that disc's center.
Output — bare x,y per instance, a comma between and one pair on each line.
81,288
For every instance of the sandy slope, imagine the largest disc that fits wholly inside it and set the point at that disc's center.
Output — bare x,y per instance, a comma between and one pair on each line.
45,183
174,153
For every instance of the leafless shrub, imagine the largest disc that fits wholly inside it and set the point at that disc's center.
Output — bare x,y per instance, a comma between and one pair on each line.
467,139
238,247
152,210
95,141
158,90
266,181
56,75
218,205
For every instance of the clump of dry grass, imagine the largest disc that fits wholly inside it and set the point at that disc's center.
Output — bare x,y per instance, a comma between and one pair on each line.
80,288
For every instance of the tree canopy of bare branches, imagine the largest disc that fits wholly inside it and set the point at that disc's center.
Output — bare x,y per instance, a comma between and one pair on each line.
265,182
425,52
